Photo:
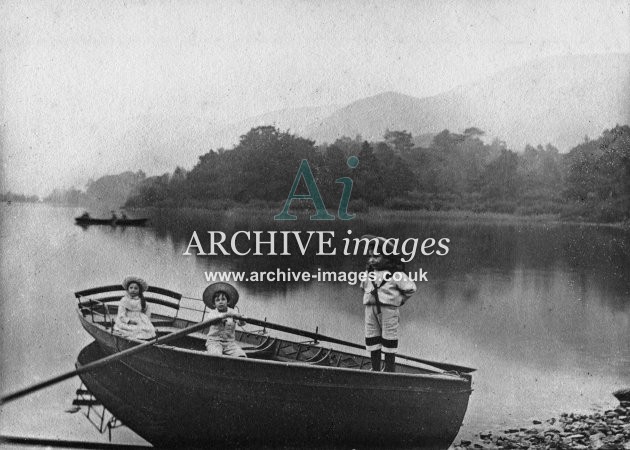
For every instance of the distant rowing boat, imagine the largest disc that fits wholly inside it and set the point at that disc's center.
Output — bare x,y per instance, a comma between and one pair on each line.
113,222
284,393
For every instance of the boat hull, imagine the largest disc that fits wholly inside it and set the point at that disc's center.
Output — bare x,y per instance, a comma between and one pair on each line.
112,222
187,398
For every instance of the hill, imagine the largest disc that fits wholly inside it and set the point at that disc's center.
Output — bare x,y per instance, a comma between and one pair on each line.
557,100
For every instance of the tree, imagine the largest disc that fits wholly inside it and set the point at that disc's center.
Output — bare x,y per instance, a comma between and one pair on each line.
445,140
598,174
152,191
261,166
333,166
368,179
474,132
399,140
348,145
540,170
500,178
113,190
582,176
270,161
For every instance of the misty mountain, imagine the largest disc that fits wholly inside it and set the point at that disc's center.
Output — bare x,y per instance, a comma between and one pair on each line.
557,100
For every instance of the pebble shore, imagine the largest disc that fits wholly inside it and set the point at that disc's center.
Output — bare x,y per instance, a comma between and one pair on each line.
605,430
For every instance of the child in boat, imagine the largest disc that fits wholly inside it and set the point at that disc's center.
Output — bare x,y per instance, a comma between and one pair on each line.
133,318
385,290
221,340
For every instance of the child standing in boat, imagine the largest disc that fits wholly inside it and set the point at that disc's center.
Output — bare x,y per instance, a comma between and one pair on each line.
385,290
221,340
133,318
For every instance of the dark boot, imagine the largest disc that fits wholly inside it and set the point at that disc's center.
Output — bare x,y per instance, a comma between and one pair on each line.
390,362
375,356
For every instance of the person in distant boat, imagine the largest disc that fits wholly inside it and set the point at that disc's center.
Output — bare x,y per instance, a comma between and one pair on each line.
114,217
85,215
134,318
221,340
384,292
124,216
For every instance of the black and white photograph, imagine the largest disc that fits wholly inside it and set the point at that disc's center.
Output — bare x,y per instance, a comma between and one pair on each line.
315,224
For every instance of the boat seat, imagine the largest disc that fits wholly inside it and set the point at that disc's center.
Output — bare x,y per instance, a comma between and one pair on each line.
114,292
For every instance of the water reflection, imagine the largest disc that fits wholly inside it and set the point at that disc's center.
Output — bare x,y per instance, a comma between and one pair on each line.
599,256
541,310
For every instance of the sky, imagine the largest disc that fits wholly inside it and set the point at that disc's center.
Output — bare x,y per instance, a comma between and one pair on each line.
76,77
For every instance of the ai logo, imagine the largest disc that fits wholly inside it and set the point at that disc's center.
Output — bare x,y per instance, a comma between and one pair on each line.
313,194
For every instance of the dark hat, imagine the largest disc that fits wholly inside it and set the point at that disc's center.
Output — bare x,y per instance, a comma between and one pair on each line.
131,279
227,288
384,244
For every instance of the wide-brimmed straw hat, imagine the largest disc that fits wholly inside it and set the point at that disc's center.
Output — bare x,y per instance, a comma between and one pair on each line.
131,279
227,288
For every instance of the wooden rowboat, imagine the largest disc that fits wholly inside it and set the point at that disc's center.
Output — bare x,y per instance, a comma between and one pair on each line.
286,393
131,222
114,222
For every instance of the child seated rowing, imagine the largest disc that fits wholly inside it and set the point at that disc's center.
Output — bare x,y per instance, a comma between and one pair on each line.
221,340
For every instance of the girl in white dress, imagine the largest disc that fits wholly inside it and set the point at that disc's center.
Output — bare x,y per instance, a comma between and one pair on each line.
133,318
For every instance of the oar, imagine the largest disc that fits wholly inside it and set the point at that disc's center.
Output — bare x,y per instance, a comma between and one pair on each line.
108,359
172,336
208,299
319,337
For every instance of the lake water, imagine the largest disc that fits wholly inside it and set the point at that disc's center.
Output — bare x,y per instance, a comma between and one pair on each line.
542,311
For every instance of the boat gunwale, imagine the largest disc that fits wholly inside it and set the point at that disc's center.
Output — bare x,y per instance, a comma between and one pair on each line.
452,377
306,365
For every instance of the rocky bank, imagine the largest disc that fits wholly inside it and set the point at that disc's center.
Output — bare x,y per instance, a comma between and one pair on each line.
605,430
